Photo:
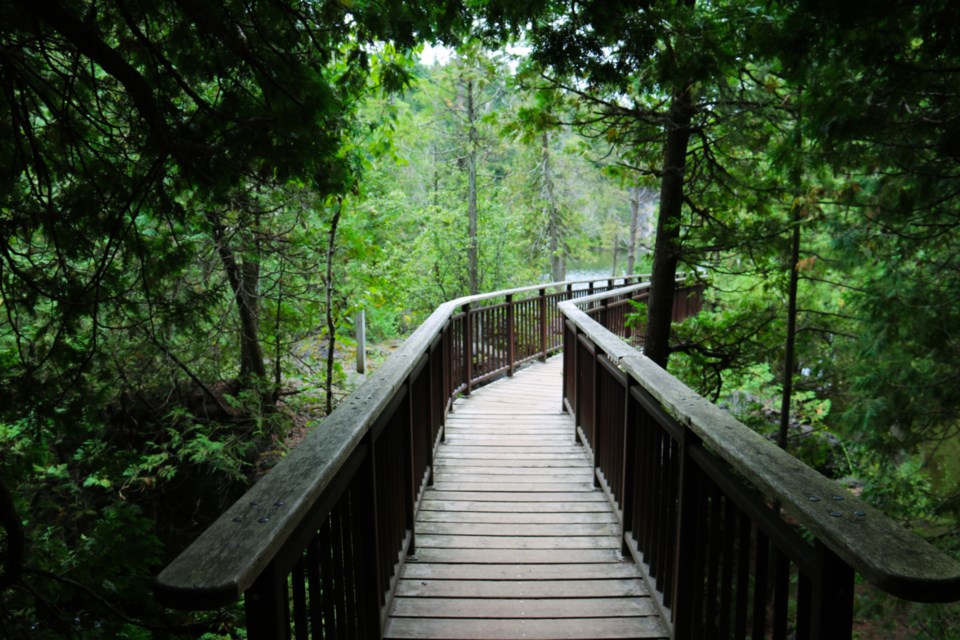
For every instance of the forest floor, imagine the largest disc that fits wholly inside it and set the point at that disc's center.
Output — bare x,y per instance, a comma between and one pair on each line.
346,357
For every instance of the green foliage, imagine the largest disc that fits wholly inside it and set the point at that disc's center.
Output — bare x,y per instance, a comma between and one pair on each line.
169,179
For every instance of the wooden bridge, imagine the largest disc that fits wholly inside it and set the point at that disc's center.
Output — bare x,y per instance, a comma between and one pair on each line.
590,496
513,538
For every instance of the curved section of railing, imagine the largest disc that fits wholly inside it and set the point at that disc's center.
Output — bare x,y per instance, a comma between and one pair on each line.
315,547
695,490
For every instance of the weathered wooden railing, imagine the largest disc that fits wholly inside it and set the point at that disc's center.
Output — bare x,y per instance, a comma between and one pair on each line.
315,547
696,492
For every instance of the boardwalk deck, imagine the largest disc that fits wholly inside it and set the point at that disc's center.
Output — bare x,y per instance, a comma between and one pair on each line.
513,540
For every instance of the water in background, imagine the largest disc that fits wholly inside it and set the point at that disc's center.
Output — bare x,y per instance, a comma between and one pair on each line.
595,266
600,265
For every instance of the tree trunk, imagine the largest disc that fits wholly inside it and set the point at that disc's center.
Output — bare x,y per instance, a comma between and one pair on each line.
245,282
616,246
12,555
331,325
472,253
788,358
634,223
554,224
666,251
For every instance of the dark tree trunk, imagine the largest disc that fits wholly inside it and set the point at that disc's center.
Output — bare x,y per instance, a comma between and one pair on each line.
245,283
666,251
331,324
11,557
788,359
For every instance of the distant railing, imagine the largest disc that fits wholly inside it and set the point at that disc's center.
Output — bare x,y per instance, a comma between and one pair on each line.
698,495
315,547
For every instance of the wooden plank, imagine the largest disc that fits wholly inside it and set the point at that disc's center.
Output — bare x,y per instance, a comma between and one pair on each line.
579,476
500,529
541,608
516,542
493,506
494,472
514,440
514,487
516,496
520,588
540,629
504,433
516,518
514,463
479,454
517,556
513,449
581,571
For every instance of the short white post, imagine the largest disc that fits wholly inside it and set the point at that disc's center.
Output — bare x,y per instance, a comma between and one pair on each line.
359,324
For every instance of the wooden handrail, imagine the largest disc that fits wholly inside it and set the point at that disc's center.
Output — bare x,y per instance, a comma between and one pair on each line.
239,550
887,555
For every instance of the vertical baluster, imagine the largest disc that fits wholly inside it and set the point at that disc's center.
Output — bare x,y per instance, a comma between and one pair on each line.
340,571
298,578
267,609
597,411
657,524
762,571
804,591
726,584
714,559
628,483
704,534
671,514
686,590
647,511
349,558
429,428
781,595
543,324
409,455
328,580
831,614
365,509
316,589
743,578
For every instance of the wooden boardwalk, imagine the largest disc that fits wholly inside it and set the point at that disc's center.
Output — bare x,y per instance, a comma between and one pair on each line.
513,540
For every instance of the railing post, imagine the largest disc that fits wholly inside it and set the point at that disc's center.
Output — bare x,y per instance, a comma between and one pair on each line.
543,325
411,442
447,358
433,351
468,348
831,606
628,482
686,590
266,606
511,337
595,436
569,291
577,381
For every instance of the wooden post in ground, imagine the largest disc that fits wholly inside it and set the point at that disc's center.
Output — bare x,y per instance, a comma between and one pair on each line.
360,326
